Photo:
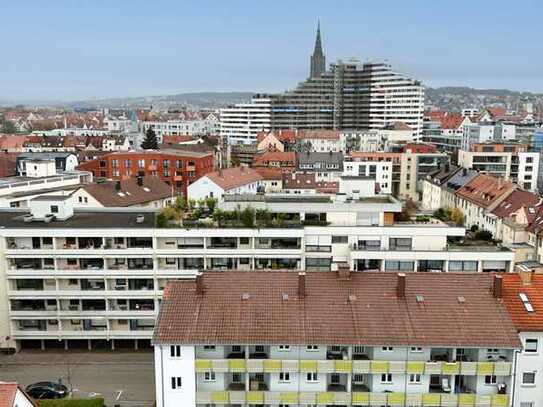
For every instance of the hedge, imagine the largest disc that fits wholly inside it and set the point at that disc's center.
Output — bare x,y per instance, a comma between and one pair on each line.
96,402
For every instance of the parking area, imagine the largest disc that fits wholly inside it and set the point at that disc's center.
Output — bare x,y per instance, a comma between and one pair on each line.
124,378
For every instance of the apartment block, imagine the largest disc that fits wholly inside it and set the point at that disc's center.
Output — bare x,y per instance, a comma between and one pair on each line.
241,123
323,339
95,277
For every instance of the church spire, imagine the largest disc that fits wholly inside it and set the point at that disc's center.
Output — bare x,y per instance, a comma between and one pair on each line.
318,60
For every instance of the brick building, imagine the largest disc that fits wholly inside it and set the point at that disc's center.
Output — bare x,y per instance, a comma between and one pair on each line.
176,167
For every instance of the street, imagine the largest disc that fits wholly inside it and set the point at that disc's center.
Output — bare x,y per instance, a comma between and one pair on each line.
125,378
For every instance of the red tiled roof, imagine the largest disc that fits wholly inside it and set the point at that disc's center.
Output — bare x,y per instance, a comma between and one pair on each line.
452,121
286,158
13,142
8,391
522,319
497,111
176,139
283,135
308,180
265,307
317,134
421,148
234,177
399,126
484,190
514,202
270,173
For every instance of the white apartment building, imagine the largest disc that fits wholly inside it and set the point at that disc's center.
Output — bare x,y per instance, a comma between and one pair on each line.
477,133
200,127
326,339
380,171
241,123
235,180
96,278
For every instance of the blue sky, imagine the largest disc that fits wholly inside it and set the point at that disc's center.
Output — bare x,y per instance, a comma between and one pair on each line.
77,49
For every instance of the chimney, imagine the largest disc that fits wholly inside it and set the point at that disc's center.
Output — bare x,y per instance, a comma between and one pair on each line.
526,277
343,272
301,284
140,181
464,172
400,287
117,185
200,283
497,286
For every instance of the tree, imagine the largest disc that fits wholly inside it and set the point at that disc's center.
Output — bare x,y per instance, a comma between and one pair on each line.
150,142
8,127
457,216
211,203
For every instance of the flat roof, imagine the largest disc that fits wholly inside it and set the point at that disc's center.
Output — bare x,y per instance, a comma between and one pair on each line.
51,198
103,219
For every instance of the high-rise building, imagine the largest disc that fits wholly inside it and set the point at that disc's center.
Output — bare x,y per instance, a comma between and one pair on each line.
240,124
318,60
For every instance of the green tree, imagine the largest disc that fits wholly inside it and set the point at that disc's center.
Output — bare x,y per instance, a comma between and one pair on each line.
180,204
150,142
211,204
247,217
8,127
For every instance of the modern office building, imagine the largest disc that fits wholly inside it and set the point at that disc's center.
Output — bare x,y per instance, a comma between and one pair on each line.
327,339
241,123
95,277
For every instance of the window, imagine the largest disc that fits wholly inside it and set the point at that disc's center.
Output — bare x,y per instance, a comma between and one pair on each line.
284,348
209,376
387,349
528,378
175,351
54,208
176,383
236,349
530,346
312,348
415,349
527,404
386,378
358,378
244,240
340,239
312,377
490,379
236,377
415,378
284,377
141,163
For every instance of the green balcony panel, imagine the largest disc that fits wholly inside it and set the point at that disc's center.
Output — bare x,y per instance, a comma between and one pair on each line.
343,366
272,365
236,365
379,366
415,367
450,368
308,365
466,400
255,397
361,398
485,368
396,399
325,398
500,400
290,397
220,397
203,365
431,399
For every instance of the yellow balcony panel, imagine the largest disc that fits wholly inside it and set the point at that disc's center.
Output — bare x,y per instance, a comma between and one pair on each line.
308,398
236,365
502,368
220,397
378,399
342,398
203,397
325,366
343,366
396,367
450,368
379,366
431,399
361,398
500,400
220,365
432,368
415,367
255,397
466,400
271,397
325,398
255,365
272,365
308,365
485,368
361,366
413,399
468,368
290,366
290,397
237,397
203,365
449,400
483,401
396,399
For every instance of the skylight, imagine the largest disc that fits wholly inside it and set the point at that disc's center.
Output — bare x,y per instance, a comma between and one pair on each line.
531,210
526,302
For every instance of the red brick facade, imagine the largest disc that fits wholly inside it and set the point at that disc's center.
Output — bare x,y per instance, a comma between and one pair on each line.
177,168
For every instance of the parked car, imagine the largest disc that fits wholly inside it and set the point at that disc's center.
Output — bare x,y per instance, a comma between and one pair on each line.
47,390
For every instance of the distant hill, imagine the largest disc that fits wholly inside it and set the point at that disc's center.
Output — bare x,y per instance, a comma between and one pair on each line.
462,90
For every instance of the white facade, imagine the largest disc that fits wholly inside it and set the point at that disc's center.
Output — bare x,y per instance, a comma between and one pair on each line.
204,187
529,361
200,127
381,171
241,123
477,133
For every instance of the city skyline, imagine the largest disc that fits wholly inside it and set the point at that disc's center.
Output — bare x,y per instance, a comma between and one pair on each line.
98,50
